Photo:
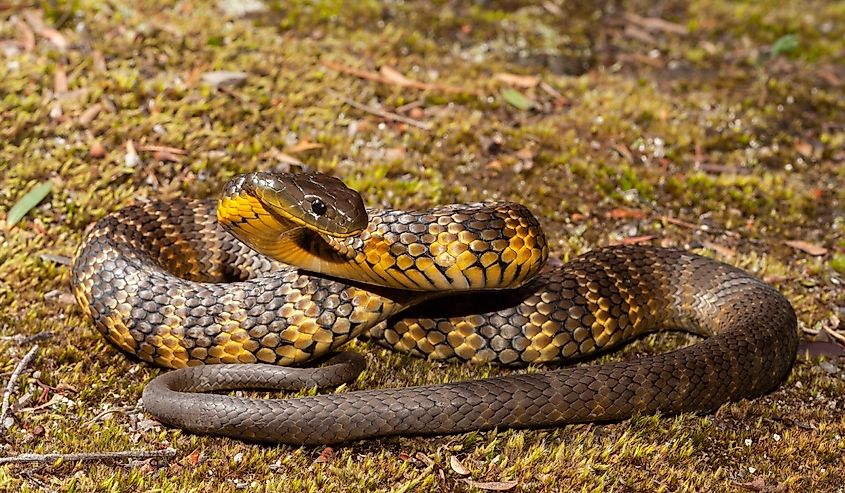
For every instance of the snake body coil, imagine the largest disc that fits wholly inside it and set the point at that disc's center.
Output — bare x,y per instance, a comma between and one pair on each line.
165,282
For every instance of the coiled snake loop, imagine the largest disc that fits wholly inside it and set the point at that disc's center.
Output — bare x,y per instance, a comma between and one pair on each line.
170,283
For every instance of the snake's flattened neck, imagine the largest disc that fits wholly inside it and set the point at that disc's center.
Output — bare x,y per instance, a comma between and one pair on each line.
481,247
476,247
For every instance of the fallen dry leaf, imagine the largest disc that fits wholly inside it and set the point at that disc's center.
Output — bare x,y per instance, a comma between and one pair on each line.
625,213
807,247
55,258
304,145
158,148
56,111
167,156
97,150
428,461
516,80
394,154
494,165
90,114
223,78
655,23
55,37
632,240
286,158
560,101
325,456
639,58
623,151
491,485
760,485
236,8
194,75
193,458
721,250
66,387
552,8
60,297
639,34
393,76
35,18
99,61
804,148
148,467
458,467
774,279
829,76
527,153
679,222
131,159
28,37
60,80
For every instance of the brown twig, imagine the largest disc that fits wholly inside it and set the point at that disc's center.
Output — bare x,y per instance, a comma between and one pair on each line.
157,148
13,380
700,227
22,340
384,114
96,456
361,74
388,77
836,335
104,413
59,259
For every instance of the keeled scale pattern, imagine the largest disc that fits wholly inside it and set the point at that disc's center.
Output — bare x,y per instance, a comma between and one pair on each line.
752,345
448,248
271,313
152,279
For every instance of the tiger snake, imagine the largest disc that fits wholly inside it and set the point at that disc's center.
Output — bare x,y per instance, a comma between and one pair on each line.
285,268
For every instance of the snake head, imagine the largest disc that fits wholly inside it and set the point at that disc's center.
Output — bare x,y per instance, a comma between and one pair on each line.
318,202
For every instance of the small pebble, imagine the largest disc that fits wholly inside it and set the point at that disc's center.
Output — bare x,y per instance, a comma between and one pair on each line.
829,367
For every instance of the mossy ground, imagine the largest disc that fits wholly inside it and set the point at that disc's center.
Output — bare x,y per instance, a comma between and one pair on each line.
722,131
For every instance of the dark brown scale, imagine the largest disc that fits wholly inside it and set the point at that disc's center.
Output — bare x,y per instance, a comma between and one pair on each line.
594,303
165,283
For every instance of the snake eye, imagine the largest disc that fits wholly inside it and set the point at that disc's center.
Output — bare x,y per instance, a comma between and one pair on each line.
318,207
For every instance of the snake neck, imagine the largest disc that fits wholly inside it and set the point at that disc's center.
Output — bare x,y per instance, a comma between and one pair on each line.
476,247
482,246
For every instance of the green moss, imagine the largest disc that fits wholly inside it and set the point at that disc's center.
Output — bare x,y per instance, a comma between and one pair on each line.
838,263
705,127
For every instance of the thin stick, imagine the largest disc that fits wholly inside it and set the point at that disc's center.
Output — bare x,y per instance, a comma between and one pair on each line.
381,79
97,456
13,380
22,340
836,335
384,114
